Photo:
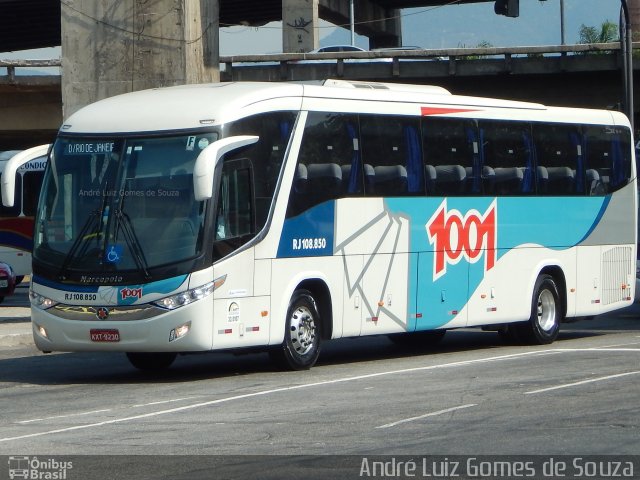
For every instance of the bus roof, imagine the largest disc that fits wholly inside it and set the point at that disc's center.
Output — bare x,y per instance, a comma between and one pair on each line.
198,106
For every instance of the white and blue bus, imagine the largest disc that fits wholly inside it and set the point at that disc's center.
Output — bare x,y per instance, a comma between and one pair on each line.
280,216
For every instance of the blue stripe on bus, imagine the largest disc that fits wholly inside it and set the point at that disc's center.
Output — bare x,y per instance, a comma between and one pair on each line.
309,234
165,286
62,286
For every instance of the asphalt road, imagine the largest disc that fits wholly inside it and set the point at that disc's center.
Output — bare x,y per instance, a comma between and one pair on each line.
471,395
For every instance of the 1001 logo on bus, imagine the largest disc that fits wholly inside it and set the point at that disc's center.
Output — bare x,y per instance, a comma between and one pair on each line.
455,237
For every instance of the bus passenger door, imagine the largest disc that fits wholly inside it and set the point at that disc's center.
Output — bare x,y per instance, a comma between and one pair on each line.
237,317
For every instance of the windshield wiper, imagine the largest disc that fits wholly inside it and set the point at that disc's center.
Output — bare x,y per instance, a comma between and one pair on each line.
82,239
123,220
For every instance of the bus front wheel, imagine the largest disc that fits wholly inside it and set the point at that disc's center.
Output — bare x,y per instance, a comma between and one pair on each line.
301,346
151,361
544,324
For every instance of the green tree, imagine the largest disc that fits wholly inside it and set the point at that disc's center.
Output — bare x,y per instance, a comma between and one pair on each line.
608,33
481,44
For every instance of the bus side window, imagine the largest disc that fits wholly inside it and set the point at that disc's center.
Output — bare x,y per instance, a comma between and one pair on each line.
274,130
451,166
508,158
560,159
391,147
329,165
608,159
32,183
234,214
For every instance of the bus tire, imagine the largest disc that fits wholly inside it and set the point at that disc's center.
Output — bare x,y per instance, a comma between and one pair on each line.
546,311
149,361
301,346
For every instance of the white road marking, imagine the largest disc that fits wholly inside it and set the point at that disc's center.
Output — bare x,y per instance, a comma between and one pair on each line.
583,382
404,371
432,414
272,391
65,416
162,402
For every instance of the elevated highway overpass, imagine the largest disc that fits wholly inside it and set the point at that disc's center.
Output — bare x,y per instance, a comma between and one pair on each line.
574,75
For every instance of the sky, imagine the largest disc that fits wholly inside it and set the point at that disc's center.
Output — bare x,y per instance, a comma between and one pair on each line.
429,27
451,27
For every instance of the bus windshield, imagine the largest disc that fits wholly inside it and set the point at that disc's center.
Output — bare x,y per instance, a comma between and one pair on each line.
117,204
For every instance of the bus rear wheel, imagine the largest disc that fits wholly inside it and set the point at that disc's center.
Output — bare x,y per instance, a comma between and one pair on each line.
546,312
301,346
149,361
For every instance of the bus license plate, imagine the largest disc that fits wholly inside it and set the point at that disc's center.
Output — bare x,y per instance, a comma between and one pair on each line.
105,335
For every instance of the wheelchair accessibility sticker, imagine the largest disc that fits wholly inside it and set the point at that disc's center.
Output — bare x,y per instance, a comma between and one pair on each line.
113,254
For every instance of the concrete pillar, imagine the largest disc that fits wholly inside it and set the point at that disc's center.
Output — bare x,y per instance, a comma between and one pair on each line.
111,47
300,26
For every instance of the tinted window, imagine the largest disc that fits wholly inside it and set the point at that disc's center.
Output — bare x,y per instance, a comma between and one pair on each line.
560,161
508,158
329,162
392,155
267,155
234,213
31,181
451,156
608,159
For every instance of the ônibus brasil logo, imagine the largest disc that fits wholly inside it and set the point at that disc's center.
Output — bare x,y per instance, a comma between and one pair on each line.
455,237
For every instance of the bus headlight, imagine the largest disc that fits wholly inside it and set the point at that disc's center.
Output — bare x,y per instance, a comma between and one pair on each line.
40,301
185,298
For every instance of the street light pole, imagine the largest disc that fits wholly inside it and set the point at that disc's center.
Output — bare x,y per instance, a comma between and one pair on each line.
562,37
353,22
626,43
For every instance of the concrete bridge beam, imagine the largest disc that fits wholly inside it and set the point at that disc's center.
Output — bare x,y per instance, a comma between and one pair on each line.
110,48
31,111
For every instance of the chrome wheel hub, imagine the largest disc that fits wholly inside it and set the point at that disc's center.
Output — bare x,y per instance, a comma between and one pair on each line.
546,311
302,330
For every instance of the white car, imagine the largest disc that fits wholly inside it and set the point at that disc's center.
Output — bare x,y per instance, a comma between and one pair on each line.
338,48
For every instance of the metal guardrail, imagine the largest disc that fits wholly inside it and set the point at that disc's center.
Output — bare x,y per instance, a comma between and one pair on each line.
416,63
430,53
11,65
450,54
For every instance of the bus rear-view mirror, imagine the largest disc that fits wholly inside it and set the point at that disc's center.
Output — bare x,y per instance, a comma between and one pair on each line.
12,166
